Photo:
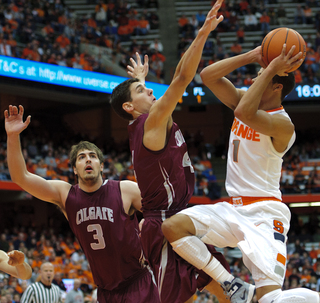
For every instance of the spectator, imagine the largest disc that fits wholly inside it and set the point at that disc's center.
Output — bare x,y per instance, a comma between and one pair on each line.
156,45
235,49
75,294
265,22
241,34
183,20
308,14
250,21
63,41
273,15
144,26
314,181
243,6
298,76
5,48
153,19
194,21
101,14
282,15
299,16
201,18
299,182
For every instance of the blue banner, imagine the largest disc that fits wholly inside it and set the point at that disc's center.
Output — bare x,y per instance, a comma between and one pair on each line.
66,76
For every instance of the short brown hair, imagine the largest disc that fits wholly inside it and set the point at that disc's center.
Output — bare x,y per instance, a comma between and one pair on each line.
120,95
82,145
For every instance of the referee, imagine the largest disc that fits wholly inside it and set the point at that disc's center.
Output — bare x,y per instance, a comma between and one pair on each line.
43,291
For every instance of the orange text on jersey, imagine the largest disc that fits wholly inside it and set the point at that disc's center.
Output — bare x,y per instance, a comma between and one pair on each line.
246,132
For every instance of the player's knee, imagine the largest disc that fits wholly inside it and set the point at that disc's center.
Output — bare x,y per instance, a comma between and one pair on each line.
176,227
168,229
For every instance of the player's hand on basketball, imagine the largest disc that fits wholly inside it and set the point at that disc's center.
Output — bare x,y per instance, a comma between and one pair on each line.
14,120
138,70
258,56
285,62
212,21
16,257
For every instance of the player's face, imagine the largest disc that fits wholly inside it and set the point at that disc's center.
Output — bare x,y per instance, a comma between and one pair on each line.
88,166
142,97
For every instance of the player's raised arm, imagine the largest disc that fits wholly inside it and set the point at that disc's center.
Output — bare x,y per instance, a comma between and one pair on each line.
248,108
50,191
185,71
213,76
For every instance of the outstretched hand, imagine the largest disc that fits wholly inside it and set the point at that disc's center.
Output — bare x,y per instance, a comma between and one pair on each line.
16,257
285,62
138,70
212,21
14,120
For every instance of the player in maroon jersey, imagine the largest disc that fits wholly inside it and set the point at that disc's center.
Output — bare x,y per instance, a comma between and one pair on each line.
163,169
100,213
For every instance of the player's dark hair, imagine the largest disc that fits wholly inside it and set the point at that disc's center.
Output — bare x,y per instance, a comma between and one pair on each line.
288,83
82,145
120,95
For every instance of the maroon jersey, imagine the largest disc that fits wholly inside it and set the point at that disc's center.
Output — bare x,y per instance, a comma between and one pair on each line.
166,181
165,178
107,235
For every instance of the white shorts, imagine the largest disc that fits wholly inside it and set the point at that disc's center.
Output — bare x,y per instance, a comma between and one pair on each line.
259,230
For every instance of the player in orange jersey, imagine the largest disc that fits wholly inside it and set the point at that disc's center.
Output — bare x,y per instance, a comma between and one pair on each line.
254,219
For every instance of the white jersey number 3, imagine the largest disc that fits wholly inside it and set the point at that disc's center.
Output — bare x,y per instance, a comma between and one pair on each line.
98,235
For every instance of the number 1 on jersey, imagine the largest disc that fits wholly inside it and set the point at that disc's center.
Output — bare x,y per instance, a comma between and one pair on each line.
236,144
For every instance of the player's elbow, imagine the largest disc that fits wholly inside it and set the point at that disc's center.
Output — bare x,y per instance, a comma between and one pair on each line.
241,114
25,274
204,76
19,178
207,76
184,79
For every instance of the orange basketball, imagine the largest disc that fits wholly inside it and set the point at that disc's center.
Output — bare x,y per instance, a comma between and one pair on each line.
272,44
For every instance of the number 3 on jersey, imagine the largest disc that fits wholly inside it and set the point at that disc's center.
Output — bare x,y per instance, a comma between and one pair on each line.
98,236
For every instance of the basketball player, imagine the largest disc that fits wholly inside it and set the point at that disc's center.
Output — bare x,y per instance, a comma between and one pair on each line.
13,264
255,220
164,172
99,213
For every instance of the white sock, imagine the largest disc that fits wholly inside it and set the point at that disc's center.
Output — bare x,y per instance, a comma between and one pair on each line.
215,270
193,250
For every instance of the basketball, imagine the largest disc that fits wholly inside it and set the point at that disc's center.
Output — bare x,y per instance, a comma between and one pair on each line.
272,44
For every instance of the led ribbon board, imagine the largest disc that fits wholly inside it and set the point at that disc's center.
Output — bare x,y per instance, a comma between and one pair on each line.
66,76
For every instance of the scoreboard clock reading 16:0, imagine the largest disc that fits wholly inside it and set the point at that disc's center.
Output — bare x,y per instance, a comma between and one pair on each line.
308,91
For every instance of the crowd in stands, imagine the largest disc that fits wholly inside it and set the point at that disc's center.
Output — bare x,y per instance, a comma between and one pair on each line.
243,16
301,166
51,32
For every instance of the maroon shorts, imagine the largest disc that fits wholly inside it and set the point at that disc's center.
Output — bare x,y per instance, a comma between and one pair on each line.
177,280
140,288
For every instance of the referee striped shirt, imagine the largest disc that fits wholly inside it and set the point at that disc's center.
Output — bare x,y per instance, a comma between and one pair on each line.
39,293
